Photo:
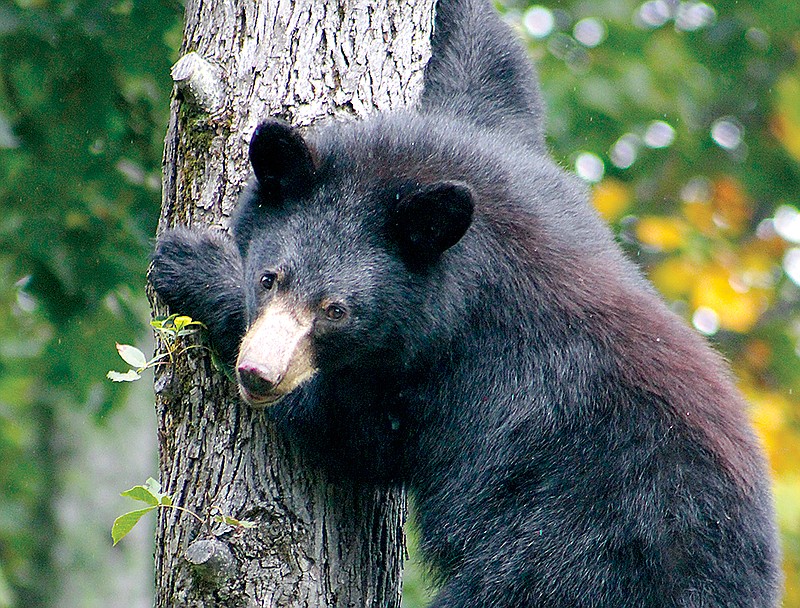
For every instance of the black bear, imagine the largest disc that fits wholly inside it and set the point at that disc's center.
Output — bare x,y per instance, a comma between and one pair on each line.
426,298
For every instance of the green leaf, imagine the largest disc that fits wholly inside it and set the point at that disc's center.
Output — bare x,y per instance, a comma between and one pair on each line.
153,486
220,366
188,331
157,323
128,376
143,494
231,521
186,325
132,355
125,523
167,333
165,326
182,321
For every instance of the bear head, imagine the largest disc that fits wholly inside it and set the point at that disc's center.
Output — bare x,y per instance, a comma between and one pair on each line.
337,255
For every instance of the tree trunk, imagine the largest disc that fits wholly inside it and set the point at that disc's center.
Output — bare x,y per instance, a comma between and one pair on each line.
315,544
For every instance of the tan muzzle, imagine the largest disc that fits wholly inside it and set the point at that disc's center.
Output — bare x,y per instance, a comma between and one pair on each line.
275,356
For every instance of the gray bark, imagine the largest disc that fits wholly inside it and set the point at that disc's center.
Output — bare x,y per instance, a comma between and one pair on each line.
315,544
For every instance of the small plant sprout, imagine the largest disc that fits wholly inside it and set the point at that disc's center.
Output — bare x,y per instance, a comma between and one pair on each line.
170,329
150,493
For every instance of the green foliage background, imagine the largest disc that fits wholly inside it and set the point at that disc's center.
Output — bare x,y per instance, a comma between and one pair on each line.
84,88
84,99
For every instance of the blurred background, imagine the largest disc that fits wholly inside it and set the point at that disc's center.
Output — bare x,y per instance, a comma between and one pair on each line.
683,116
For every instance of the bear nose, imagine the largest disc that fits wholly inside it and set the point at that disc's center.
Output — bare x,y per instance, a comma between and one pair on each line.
257,383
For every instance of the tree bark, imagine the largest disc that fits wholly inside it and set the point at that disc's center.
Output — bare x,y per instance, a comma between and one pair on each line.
315,543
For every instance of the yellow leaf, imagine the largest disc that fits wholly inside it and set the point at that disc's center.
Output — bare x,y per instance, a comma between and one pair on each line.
760,261
663,233
769,412
738,309
674,277
758,354
788,133
772,417
701,215
612,198
732,206
785,122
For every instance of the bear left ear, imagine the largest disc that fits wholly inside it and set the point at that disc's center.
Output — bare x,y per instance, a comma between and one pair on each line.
280,157
433,218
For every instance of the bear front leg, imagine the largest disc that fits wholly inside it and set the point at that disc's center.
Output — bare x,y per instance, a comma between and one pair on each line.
199,274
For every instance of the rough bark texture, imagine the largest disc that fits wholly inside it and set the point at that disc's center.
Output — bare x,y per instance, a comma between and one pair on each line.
315,544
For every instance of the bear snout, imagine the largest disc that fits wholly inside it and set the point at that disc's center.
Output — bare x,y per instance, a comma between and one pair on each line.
276,354
257,385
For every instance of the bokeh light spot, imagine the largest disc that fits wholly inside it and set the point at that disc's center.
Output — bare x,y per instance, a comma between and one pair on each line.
625,150
727,133
787,223
692,16
589,167
538,21
697,190
653,14
758,38
791,264
706,320
659,134
589,32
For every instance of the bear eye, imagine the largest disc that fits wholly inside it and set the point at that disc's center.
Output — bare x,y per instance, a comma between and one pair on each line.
335,312
268,280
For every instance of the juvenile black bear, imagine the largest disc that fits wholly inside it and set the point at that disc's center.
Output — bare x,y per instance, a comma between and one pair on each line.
431,301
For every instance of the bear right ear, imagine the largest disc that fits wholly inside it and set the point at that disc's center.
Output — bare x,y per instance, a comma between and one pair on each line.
431,219
280,157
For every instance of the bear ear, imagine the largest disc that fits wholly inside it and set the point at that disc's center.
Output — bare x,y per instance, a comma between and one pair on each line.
280,157
431,219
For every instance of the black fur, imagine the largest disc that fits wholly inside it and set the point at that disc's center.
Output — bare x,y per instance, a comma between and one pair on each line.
430,220
199,273
283,166
479,72
569,442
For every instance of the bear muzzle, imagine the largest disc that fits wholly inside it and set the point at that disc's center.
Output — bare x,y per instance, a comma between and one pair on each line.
275,356
258,386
